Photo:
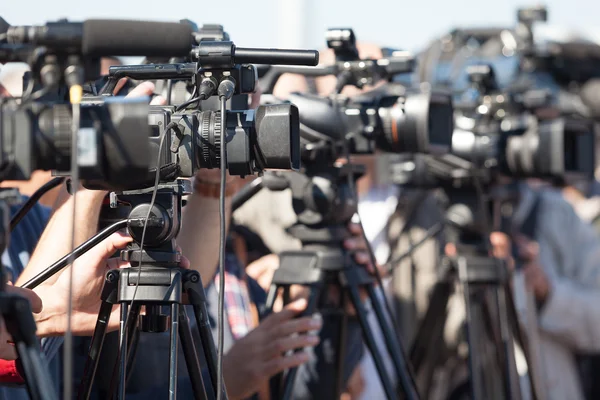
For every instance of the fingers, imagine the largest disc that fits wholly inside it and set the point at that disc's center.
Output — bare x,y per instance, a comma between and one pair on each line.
288,312
109,246
300,325
450,249
184,263
262,265
355,229
158,101
501,244
141,90
120,83
528,249
34,299
278,365
285,344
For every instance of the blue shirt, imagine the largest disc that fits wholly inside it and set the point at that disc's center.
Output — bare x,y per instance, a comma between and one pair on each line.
23,240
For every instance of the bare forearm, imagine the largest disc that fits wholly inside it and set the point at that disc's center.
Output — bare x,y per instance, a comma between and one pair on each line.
200,233
55,242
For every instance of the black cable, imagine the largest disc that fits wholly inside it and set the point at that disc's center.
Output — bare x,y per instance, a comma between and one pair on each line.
193,99
226,90
207,88
33,200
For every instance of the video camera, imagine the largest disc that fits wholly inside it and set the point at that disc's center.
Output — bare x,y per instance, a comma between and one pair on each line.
518,132
265,138
36,130
391,118
112,129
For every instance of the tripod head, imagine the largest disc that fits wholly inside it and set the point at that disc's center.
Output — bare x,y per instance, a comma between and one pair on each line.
164,222
324,202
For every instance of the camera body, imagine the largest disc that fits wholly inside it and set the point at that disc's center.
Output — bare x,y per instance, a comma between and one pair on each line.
112,140
391,119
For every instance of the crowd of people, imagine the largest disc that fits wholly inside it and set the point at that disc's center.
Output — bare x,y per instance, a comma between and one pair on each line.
560,268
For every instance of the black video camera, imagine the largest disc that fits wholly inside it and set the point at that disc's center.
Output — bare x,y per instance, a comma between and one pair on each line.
518,132
36,130
391,118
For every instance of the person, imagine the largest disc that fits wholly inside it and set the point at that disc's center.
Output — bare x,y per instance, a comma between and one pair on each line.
88,273
269,213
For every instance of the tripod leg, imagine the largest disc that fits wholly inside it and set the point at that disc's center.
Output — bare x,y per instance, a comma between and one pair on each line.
122,360
19,321
191,357
173,351
341,347
290,378
131,327
472,335
508,347
192,284
524,343
109,296
39,384
394,348
271,297
361,313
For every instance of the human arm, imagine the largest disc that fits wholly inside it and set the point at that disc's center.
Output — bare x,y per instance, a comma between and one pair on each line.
89,202
200,228
565,277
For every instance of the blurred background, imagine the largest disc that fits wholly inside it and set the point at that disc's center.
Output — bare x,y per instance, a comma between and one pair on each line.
302,23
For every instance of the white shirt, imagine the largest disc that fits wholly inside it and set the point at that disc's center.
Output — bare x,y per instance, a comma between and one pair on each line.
375,209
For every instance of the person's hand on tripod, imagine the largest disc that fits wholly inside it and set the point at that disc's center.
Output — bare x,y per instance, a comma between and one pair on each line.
7,349
536,279
89,273
254,359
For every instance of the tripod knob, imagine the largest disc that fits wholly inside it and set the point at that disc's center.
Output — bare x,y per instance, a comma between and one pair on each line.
158,226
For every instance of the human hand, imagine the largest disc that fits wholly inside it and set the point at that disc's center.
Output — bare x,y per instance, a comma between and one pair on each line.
535,277
262,270
254,359
359,246
7,348
502,248
142,90
89,273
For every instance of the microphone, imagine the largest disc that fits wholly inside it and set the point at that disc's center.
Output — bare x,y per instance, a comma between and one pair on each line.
590,95
98,38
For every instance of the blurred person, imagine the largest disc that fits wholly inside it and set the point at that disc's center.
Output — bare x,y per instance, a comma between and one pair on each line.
269,213
40,223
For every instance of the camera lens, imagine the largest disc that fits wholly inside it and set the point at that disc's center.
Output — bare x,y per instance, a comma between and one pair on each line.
265,138
417,123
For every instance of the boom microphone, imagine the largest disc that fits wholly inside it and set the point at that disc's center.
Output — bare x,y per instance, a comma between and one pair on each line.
98,38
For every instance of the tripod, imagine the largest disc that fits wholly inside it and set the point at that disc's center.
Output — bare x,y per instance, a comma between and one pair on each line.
325,204
153,280
490,312
18,319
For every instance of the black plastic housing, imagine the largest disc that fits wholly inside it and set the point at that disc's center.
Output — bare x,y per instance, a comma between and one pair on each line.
113,137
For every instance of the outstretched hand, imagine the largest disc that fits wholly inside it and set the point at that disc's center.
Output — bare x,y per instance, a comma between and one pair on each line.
254,359
89,273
